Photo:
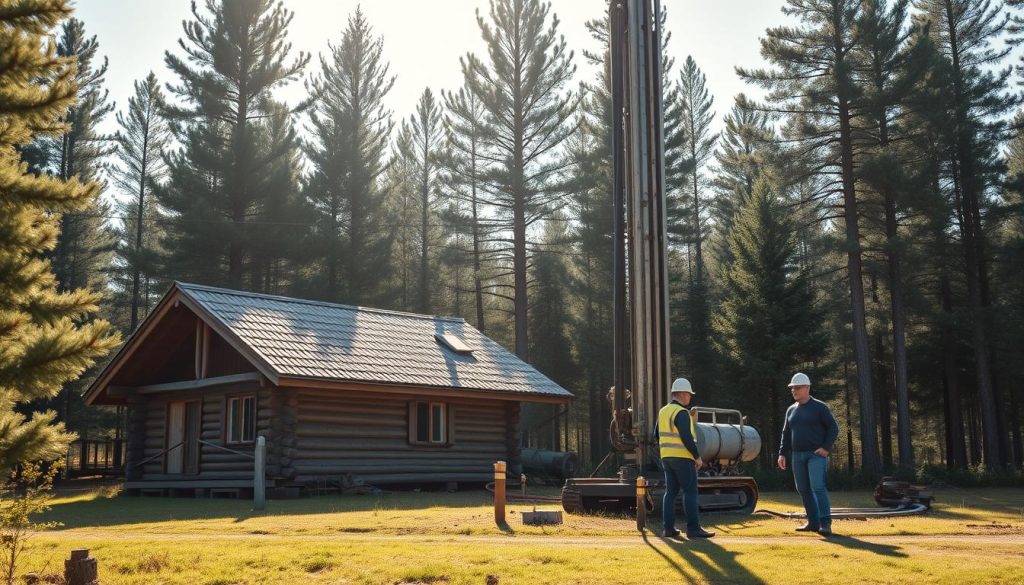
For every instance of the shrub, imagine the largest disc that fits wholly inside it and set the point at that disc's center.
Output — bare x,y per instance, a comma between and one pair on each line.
22,497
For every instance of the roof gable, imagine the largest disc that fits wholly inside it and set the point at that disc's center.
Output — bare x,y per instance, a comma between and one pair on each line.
294,338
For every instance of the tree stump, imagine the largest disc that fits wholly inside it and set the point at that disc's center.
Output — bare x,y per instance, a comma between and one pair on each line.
81,569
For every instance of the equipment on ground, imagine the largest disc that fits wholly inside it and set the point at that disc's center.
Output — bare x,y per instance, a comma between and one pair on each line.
893,492
639,225
549,465
895,498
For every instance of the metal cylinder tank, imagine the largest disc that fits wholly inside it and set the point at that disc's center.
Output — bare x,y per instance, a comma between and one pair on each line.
558,464
727,442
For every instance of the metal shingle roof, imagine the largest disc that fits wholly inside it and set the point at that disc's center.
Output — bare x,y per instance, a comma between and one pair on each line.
313,339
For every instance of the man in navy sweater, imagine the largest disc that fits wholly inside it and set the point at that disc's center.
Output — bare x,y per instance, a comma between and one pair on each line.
807,436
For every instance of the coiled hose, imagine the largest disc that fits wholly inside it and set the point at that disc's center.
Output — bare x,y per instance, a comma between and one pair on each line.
856,513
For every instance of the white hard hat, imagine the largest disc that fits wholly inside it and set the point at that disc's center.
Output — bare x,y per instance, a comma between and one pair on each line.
681,385
799,379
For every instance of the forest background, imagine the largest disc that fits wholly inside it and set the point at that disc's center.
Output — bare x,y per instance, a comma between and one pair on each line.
854,210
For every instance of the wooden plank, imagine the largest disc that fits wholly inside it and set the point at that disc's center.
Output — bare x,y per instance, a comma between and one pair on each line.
330,431
337,419
198,384
409,477
417,391
350,445
220,468
204,367
306,467
396,458
190,483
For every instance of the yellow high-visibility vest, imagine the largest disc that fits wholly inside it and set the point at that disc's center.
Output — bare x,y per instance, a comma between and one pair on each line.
669,439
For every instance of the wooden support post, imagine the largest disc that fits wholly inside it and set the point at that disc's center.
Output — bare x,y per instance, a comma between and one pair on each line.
499,493
81,569
259,489
641,503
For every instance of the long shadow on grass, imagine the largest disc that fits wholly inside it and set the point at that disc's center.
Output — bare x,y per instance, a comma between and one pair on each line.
888,550
706,561
119,510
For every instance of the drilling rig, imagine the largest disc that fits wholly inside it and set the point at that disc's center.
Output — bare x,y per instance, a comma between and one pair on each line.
641,295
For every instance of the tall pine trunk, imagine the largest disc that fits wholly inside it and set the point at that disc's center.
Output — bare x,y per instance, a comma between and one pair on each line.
967,197
424,280
478,286
139,223
854,268
884,403
955,449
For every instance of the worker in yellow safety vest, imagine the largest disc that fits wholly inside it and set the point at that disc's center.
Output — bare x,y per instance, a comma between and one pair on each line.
676,432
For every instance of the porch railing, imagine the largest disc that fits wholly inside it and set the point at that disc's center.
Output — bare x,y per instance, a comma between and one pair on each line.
95,457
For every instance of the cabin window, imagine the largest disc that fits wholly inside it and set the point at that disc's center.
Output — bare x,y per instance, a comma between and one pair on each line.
241,419
429,423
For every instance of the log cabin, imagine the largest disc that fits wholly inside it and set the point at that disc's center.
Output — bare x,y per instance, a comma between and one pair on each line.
337,391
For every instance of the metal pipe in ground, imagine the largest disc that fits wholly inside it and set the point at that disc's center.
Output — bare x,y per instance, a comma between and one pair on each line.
641,504
259,483
499,493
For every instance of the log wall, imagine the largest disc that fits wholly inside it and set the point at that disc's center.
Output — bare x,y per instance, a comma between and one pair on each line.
367,435
317,434
214,463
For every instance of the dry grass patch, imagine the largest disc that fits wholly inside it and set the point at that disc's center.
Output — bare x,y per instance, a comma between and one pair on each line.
443,538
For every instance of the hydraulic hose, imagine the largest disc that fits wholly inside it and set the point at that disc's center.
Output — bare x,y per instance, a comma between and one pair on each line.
857,513
525,498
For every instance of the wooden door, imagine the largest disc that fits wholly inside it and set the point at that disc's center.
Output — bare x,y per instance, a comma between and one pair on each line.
175,438
183,428
193,426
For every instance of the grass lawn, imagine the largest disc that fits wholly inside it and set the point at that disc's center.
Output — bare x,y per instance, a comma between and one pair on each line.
972,536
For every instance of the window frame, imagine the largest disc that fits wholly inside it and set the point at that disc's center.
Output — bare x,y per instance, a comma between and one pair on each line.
447,415
230,422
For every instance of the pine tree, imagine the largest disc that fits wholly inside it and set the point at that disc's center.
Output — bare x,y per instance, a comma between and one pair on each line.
281,248
1011,276
466,161
350,129
84,246
811,82
235,55
141,141
421,151
888,70
744,146
925,154
766,326
47,336
590,196
962,31
399,182
522,89
550,318
698,146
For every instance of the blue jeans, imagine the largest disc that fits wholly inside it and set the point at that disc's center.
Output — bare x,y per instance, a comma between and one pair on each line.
809,473
680,473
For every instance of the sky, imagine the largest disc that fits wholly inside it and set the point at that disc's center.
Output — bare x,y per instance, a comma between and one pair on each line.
424,39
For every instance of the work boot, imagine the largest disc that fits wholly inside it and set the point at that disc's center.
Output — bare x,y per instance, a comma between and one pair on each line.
825,530
699,533
808,528
671,534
